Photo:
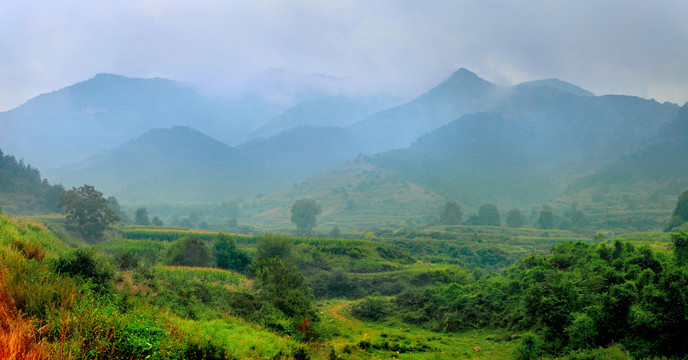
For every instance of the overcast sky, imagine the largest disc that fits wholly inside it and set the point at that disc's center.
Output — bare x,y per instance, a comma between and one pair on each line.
393,46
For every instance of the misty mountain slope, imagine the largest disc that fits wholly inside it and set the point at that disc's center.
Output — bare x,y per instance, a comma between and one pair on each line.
177,164
561,116
583,132
301,152
474,159
663,162
559,85
184,165
463,92
89,117
337,110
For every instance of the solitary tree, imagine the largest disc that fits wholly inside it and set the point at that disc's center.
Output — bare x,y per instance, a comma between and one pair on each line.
452,214
514,218
141,216
546,218
489,215
304,213
88,211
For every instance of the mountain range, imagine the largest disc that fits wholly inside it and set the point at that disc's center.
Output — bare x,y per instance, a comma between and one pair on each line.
155,140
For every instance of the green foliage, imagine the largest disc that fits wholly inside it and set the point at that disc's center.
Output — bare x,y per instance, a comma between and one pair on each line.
21,189
281,283
680,214
188,251
271,245
88,210
488,214
451,214
113,204
85,264
227,255
680,240
515,219
141,217
156,221
304,214
171,234
127,260
372,308
545,218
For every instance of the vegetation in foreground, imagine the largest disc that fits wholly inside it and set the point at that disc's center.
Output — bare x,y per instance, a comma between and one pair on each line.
340,298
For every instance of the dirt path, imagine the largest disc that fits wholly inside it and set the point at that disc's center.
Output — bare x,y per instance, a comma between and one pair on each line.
334,311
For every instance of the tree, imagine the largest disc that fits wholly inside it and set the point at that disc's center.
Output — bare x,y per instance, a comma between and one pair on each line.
304,213
188,251
141,217
489,215
680,214
514,218
88,210
546,218
281,283
114,205
680,247
227,255
452,214
156,221
576,217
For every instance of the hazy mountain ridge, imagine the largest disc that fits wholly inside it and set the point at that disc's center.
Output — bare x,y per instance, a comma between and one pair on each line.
663,161
540,135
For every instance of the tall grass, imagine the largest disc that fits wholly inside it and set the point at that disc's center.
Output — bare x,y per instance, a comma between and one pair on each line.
200,274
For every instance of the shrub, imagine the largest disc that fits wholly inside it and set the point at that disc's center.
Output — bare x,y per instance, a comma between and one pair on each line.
127,260
227,255
371,308
84,263
188,251
273,245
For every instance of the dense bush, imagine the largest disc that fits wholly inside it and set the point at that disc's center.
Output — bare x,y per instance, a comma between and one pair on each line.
188,251
577,298
371,308
85,264
227,255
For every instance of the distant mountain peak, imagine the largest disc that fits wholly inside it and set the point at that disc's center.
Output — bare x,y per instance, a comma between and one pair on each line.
462,82
559,85
465,76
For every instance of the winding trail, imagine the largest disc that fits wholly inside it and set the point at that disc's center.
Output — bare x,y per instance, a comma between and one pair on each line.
355,324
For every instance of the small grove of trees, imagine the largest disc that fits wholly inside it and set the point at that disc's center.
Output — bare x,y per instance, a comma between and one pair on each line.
451,214
488,215
87,211
304,214
680,214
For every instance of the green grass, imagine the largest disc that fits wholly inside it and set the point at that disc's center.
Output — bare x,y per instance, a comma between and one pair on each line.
349,332
201,274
